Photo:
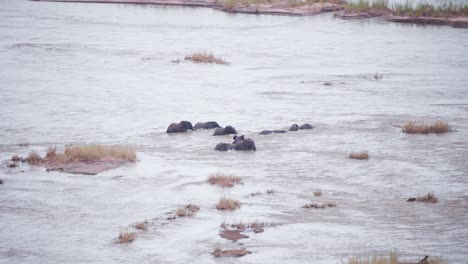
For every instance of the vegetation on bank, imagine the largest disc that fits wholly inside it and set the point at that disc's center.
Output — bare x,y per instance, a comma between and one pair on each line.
83,153
231,5
409,8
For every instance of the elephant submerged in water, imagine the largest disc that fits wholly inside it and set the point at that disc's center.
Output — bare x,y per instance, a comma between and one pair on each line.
206,125
220,131
181,127
305,126
240,143
267,132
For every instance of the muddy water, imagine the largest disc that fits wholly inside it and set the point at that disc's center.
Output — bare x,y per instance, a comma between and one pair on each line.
95,73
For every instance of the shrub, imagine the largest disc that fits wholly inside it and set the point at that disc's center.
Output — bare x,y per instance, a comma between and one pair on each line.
126,237
34,158
204,57
436,128
362,155
223,180
227,204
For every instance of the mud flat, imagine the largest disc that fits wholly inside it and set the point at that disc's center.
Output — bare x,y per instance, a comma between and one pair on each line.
277,8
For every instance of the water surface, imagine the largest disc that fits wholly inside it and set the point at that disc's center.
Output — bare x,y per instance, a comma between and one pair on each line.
102,73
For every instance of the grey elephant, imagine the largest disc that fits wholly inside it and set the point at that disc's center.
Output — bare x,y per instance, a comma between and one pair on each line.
220,131
240,143
267,132
306,126
183,126
294,127
206,125
223,146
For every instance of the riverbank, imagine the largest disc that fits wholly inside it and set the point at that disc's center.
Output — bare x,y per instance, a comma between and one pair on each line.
361,10
292,8
447,15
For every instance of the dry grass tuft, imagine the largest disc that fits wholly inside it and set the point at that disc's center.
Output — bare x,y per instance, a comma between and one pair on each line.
392,258
51,153
141,226
183,212
126,236
188,210
362,155
34,158
223,180
436,128
16,158
317,193
98,152
204,57
428,198
227,204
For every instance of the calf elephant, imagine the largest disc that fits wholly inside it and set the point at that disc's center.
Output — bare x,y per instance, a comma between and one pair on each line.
183,126
220,131
206,125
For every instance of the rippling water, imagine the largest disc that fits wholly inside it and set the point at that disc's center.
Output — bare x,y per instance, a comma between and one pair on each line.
102,73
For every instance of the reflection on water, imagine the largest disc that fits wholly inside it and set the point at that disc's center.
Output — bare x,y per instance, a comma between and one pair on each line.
78,73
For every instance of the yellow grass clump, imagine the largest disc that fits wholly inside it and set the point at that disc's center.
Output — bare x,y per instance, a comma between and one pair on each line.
362,155
227,204
436,128
126,236
141,226
318,193
223,180
34,158
204,57
188,210
93,152
392,258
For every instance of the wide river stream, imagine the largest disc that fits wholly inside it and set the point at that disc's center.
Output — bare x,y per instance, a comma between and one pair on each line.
73,73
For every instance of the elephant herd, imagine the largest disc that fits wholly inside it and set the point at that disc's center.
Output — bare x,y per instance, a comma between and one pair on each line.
239,143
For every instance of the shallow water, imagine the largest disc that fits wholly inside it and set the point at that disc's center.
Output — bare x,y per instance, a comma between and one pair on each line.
102,73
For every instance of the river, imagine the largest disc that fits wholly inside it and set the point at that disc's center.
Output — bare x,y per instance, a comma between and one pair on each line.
102,73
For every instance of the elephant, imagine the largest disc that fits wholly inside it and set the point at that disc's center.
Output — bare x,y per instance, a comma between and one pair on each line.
240,143
183,126
223,146
267,132
306,126
206,125
220,131
294,127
